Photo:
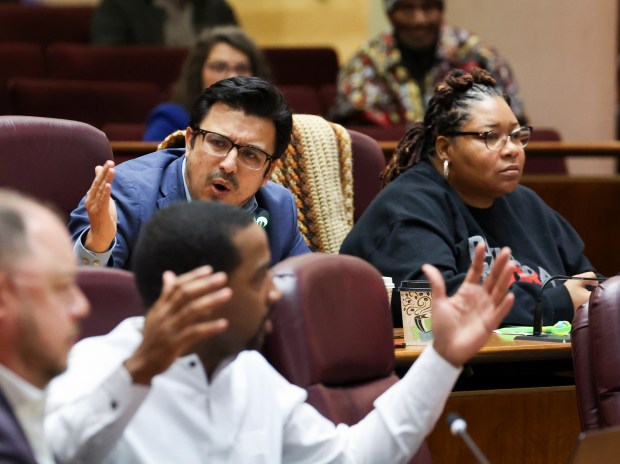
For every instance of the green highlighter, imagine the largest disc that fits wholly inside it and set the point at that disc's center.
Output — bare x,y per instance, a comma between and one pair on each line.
559,328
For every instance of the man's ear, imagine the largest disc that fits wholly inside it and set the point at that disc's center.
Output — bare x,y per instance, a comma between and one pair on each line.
268,173
443,148
188,140
5,288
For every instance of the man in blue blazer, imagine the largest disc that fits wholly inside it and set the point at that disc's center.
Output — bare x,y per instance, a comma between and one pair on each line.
238,128
40,309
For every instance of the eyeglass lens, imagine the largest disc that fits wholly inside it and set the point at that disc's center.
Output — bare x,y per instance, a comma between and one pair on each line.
219,145
519,137
221,67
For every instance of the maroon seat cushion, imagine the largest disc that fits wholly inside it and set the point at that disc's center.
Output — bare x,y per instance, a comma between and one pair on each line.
314,66
160,65
333,335
368,162
45,24
18,59
587,397
303,99
93,102
604,316
51,159
113,296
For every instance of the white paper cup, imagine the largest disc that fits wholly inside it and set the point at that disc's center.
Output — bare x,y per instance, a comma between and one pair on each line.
389,287
416,303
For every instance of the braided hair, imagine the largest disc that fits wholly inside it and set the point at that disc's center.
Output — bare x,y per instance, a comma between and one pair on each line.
447,111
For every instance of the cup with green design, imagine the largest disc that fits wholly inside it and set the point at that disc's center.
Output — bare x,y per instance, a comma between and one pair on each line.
416,302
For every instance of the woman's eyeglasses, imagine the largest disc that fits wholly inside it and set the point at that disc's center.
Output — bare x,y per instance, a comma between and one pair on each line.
496,141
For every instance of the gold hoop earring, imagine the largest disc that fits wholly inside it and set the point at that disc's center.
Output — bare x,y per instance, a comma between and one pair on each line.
446,169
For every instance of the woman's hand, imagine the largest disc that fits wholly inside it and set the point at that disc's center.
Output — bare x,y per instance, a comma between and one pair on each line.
577,288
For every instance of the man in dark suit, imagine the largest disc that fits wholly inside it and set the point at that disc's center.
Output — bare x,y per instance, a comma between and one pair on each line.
40,309
238,128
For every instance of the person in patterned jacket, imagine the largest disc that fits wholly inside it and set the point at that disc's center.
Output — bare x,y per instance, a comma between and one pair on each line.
390,80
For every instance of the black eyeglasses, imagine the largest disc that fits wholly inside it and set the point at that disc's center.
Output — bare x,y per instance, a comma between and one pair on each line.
496,141
219,67
219,145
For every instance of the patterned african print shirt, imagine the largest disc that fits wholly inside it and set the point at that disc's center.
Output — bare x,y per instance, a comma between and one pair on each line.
376,87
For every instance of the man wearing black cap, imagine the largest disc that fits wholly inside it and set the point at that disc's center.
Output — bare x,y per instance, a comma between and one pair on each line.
390,79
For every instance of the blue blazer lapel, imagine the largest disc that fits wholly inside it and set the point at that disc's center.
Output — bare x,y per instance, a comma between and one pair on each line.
171,187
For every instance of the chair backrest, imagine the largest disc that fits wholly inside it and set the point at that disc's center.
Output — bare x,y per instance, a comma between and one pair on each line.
304,99
333,334
18,59
587,397
314,66
599,395
93,102
159,65
113,296
51,159
45,24
317,169
368,162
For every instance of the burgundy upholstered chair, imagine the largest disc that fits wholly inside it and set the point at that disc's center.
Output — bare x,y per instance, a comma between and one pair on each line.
45,24
314,66
51,159
333,335
18,59
93,102
368,162
303,99
159,65
596,356
113,297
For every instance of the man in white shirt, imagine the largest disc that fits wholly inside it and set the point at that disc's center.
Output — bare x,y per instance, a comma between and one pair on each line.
184,385
40,309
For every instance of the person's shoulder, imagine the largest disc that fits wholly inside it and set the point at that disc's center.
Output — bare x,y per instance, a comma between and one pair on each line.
419,180
523,193
376,46
125,336
171,110
465,39
527,201
273,193
254,363
156,160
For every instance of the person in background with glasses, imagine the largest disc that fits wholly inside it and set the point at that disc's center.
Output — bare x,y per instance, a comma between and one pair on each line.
221,52
237,130
452,183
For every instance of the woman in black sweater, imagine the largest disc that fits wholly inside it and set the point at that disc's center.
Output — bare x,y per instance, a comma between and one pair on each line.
454,182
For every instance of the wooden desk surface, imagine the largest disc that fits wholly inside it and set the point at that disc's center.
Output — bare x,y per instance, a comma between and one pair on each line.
499,348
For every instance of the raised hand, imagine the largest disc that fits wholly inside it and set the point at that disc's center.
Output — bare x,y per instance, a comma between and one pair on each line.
180,318
101,210
463,322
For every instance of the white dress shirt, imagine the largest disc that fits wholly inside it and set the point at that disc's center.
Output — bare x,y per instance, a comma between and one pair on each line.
28,404
247,413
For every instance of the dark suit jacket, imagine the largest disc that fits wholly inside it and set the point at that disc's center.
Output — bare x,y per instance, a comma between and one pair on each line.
139,22
14,446
143,185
